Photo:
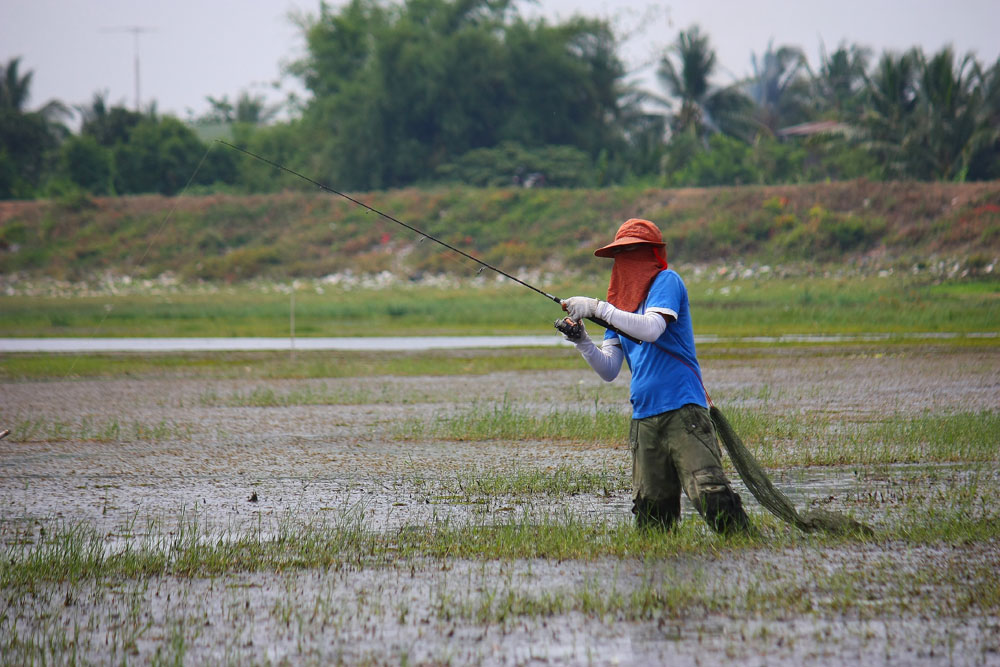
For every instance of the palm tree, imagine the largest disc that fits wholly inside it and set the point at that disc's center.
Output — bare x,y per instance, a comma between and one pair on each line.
932,118
14,87
704,108
108,125
15,90
640,128
839,85
949,113
253,109
985,161
891,103
27,138
779,88
991,95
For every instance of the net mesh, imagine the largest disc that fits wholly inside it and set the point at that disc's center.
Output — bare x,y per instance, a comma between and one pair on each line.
771,498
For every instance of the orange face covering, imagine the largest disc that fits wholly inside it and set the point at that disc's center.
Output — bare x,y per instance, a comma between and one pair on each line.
632,275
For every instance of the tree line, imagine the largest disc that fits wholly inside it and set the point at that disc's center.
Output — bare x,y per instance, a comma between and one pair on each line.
468,91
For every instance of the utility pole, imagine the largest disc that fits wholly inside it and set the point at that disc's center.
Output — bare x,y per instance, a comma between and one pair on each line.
135,30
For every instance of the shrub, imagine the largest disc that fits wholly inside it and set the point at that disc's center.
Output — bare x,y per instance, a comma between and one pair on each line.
512,164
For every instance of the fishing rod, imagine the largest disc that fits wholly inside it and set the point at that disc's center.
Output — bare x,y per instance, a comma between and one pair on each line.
422,233
351,199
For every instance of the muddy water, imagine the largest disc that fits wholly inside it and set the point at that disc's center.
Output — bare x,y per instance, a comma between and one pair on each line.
310,457
237,468
426,613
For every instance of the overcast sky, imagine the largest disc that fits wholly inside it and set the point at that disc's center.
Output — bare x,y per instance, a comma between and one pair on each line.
191,49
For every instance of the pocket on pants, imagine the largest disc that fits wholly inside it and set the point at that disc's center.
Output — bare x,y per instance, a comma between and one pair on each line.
709,480
699,424
633,436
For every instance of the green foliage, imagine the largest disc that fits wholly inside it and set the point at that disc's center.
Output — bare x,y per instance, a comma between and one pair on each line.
552,230
160,156
27,138
762,305
512,164
779,88
826,234
838,87
933,118
704,108
240,264
725,160
88,164
468,91
402,90
108,126
507,420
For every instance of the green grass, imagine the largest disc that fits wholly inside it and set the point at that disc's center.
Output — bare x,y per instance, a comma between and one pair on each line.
526,482
819,439
776,440
232,238
76,551
671,592
92,429
857,304
273,365
266,397
244,311
765,305
506,420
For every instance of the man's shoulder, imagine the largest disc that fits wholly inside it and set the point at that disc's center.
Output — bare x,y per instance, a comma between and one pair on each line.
667,292
668,278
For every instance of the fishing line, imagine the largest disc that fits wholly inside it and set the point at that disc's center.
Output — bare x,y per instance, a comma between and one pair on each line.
166,218
424,234
152,241
173,208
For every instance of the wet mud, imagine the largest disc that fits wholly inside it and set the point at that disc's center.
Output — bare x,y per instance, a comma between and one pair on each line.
239,468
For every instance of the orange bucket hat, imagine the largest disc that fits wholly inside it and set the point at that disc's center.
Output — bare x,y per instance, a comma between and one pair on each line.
634,272
633,231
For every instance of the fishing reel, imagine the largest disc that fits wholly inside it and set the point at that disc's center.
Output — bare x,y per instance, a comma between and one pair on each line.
572,330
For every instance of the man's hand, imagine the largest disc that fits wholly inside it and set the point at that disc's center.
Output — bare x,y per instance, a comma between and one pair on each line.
580,307
574,332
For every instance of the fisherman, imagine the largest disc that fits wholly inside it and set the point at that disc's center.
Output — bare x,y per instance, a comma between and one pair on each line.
672,437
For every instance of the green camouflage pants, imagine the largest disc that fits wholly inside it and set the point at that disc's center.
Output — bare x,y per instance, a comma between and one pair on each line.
678,450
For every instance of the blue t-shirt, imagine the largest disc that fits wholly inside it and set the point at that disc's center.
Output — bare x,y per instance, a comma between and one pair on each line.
661,382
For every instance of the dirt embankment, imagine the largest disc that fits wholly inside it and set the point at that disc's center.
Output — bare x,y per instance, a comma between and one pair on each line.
229,237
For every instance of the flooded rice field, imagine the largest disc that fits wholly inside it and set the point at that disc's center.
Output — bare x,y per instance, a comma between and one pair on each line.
351,521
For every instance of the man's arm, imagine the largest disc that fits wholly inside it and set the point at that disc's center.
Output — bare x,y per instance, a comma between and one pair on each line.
605,360
646,328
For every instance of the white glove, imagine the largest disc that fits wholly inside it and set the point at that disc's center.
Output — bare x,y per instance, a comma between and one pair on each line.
580,307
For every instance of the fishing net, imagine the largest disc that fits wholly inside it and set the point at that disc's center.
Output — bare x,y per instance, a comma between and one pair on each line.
775,501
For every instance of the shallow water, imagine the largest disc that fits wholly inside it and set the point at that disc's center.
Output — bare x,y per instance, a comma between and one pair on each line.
381,344
871,603
438,612
413,343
